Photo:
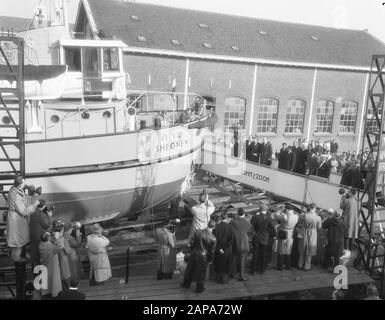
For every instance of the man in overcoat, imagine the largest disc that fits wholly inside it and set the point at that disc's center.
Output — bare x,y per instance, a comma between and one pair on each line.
224,234
241,247
202,250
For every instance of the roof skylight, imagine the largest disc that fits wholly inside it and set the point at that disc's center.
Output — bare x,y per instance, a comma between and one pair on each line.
203,25
142,38
207,45
262,32
176,42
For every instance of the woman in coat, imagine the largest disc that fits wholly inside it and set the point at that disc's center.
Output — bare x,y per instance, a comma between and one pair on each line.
61,242
167,252
74,242
351,219
336,232
40,222
288,221
50,259
307,242
97,254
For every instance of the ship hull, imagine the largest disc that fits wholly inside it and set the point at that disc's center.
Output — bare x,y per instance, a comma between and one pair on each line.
103,195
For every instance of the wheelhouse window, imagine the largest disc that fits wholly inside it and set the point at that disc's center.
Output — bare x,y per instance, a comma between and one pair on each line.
324,116
267,115
295,116
348,116
235,112
136,101
111,59
73,59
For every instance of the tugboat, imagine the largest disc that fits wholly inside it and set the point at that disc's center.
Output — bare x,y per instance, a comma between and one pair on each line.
97,152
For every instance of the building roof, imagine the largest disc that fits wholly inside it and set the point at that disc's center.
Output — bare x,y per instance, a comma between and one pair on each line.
15,23
227,35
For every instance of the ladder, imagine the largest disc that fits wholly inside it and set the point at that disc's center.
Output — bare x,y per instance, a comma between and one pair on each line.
12,147
371,233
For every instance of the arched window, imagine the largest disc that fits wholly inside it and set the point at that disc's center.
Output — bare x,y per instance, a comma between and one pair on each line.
348,116
235,111
267,115
324,116
295,115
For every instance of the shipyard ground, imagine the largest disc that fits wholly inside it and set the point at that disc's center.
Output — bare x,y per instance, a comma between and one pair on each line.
143,264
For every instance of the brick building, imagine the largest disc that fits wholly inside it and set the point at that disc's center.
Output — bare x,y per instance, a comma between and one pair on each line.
276,79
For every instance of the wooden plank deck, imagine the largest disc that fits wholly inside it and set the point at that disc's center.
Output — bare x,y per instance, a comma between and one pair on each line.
271,283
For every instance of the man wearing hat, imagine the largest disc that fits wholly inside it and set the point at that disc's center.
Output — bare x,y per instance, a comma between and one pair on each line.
40,222
288,221
202,253
263,228
307,242
201,214
336,230
18,231
241,246
165,236
224,234
97,254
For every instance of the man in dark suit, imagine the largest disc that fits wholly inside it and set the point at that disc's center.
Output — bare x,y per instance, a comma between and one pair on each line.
266,152
291,159
324,167
248,148
241,246
263,226
313,164
282,157
258,150
334,147
300,164
253,150
224,234
72,293
202,254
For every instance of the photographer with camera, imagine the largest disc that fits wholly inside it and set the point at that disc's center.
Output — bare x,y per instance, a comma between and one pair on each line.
201,214
97,253
18,231
40,222
165,236
73,236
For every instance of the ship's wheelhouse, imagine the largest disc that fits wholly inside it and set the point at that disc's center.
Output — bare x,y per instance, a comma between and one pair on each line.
95,68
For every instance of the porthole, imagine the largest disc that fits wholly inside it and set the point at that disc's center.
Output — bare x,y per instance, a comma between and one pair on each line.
6,120
85,115
106,114
55,118
131,111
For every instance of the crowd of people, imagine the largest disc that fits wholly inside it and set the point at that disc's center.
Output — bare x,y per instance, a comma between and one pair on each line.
290,236
33,235
223,240
314,158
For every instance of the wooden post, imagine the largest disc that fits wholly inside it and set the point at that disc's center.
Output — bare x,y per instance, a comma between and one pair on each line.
127,263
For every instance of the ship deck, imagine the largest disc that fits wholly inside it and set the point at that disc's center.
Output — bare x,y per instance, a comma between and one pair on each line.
272,283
